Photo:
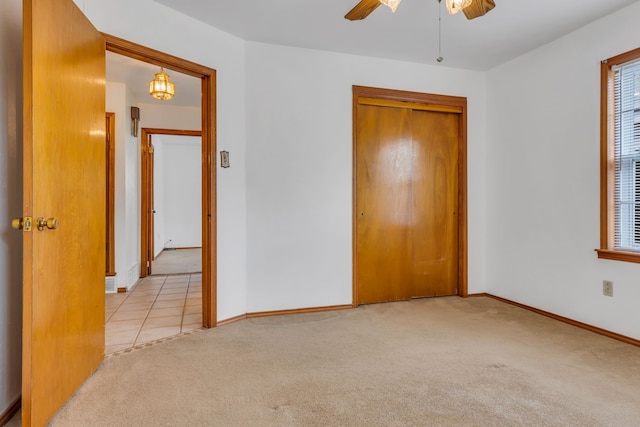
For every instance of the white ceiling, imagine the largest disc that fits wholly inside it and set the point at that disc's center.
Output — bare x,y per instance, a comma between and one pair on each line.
513,28
411,33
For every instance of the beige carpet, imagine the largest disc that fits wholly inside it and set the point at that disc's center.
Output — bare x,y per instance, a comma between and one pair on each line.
431,362
177,261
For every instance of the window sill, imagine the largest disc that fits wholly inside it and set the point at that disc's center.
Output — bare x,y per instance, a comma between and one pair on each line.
618,255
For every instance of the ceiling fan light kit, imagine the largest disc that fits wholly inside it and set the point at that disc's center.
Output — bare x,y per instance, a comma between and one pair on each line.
393,4
478,8
471,8
455,6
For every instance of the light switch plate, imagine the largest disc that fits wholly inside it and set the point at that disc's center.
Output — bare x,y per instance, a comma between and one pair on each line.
224,159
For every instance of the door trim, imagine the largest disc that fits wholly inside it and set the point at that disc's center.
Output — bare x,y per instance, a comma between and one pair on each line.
209,219
111,199
146,193
423,101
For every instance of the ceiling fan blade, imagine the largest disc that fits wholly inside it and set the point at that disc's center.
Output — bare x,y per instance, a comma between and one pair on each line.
362,10
478,8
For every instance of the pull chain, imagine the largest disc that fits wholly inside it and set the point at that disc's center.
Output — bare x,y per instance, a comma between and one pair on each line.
439,58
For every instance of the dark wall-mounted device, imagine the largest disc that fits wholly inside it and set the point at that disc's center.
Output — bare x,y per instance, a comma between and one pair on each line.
135,117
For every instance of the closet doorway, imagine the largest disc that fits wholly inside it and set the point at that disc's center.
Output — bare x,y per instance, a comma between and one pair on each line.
409,213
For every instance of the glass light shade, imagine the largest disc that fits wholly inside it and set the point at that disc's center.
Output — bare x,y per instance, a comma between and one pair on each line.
393,4
455,6
160,87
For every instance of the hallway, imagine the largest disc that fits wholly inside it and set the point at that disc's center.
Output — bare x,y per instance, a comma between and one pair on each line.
157,307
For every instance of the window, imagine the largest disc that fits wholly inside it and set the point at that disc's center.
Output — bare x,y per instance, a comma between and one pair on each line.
620,158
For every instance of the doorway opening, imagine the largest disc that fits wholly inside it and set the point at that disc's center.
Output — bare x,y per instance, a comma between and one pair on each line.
208,150
170,202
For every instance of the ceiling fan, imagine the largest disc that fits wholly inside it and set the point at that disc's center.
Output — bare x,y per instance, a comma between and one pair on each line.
471,8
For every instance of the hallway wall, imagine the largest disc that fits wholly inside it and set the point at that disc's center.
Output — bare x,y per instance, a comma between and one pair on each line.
10,201
127,204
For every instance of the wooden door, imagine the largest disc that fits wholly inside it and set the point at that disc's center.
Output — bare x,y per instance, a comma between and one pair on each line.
146,205
64,178
384,154
152,198
434,251
407,200
147,209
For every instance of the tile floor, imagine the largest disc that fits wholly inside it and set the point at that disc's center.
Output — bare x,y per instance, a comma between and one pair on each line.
157,307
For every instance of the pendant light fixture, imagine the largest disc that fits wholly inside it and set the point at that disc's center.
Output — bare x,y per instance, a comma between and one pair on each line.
160,87
455,6
393,4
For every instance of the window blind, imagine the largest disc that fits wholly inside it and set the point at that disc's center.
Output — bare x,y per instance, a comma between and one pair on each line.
627,155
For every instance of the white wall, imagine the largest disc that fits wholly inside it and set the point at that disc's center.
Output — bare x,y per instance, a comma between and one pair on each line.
299,168
131,189
127,201
543,179
156,26
159,240
177,191
169,117
10,200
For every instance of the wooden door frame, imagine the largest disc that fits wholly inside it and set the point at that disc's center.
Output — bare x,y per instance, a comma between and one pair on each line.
111,198
147,251
152,199
443,103
208,111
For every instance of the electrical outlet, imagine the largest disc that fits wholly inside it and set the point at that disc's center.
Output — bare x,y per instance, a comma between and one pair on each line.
607,288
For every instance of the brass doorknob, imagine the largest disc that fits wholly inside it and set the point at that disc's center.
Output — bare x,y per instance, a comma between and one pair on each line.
50,223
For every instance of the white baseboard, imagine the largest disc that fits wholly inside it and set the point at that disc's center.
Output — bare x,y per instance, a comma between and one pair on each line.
113,283
110,285
132,276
